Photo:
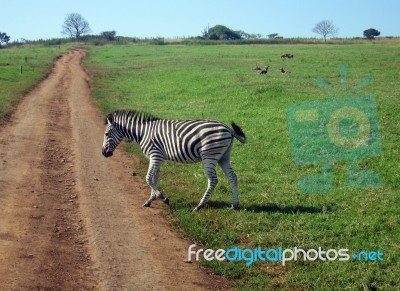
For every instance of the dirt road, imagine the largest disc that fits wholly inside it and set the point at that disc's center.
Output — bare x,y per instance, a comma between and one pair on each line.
71,219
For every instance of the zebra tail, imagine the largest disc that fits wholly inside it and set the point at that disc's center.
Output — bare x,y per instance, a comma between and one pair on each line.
238,133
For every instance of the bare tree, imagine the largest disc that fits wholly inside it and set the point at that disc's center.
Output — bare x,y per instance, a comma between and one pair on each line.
325,28
75,25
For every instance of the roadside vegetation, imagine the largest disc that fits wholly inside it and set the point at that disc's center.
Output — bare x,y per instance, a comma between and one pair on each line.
36,62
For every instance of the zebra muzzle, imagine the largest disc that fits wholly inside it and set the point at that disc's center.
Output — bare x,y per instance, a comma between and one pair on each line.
107,153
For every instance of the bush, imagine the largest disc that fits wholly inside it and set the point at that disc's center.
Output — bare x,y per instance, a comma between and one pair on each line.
220,32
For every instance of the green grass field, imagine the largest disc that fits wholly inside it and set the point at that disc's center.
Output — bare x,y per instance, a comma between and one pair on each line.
217,82
36,63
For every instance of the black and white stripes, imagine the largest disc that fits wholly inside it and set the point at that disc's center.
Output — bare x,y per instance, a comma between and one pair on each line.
183,141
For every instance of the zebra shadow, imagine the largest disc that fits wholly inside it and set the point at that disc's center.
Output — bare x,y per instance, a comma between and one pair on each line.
272,208
219,204
288,209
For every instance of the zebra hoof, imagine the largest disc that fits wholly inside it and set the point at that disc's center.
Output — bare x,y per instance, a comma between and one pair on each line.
235,207
166,201
147,204
197,208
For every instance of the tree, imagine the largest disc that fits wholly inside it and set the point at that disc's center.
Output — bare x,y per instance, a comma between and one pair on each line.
204,33
371,33
325,28
220,32
75,25
4,38
273,35
109,35
245,35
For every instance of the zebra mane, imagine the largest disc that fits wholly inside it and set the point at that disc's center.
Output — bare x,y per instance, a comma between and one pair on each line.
132,114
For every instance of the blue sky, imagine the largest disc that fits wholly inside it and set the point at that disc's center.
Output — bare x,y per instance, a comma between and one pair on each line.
176,18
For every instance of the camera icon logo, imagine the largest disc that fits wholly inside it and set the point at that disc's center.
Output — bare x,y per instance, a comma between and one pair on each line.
340,129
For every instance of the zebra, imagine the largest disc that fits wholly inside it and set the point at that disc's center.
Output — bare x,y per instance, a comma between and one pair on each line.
182,141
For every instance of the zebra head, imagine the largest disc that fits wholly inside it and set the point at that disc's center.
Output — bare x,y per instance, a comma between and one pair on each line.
112,136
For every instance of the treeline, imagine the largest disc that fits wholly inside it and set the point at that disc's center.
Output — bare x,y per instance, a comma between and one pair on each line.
100,40
86,39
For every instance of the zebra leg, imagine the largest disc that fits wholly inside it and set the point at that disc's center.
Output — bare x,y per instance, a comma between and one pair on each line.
151,179
159,194
210,168
230,174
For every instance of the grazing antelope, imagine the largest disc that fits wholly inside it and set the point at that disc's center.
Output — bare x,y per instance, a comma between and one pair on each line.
287,55
264,70
257,68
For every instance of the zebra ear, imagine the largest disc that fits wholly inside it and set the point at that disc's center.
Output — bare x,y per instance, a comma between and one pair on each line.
109,119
